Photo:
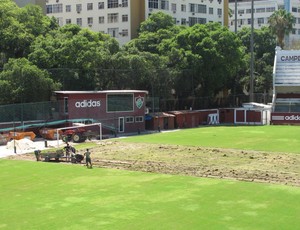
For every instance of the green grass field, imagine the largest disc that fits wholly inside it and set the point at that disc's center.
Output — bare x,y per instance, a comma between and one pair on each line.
263,138
38,195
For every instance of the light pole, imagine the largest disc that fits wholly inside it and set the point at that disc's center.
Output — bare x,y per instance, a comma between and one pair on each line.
14,135
251,98
235,16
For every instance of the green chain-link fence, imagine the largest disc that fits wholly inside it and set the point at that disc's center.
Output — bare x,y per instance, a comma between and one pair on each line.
47,111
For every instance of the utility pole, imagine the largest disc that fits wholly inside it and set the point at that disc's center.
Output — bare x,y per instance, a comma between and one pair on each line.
251,98
235,17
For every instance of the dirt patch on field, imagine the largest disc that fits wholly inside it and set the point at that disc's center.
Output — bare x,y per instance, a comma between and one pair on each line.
267,167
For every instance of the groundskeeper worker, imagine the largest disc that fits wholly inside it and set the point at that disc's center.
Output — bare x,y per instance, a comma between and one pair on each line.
68,151
88,159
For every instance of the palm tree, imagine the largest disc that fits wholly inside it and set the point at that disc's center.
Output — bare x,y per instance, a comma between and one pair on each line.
281,24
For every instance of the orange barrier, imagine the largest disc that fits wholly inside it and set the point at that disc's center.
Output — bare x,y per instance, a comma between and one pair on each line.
21,135
50,134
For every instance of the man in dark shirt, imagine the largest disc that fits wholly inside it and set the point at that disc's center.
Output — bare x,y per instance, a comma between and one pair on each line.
88,159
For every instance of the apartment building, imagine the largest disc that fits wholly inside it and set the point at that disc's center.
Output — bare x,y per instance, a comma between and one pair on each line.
121,18
41,3
263,9
190,12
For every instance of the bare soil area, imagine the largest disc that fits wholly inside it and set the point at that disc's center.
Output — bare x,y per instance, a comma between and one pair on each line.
267,167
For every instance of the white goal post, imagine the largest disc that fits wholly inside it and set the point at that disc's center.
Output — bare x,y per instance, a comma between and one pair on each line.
81,125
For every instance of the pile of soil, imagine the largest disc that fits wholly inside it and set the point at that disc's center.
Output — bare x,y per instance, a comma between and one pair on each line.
267,167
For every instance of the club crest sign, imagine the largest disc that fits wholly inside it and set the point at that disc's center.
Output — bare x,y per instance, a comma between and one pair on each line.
139,102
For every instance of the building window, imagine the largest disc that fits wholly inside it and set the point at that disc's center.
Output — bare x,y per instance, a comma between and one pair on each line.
194,20
79,21
57,8
192,7
240,12
119,102
202,9
294,9
124,3
202,20
66,105
248,11
90,20
78,8
260,10
111,18
68,21
68,8
101,20
89,6
129,119
153,4
270,9
211,10
139,119
100,5
183,21
112,3
260,21
173,7
59,21
125,18
124,33
114,32
49,9
183,8
164,5
219,11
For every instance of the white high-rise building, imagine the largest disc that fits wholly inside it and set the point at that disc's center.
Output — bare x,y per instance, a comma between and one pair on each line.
40,3
263,9
121,18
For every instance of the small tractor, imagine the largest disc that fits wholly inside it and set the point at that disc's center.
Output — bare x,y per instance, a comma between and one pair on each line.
77,135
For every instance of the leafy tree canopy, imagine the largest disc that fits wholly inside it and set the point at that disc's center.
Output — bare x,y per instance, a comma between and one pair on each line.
264,51
156,22
19,27
21,81
74,54
153,31
210,51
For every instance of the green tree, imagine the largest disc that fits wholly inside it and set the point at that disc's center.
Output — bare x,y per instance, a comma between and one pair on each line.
21,82
281,24
158,27
35,22
156,22
19,27
264,52
74,56
150,41
133,69
210,52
